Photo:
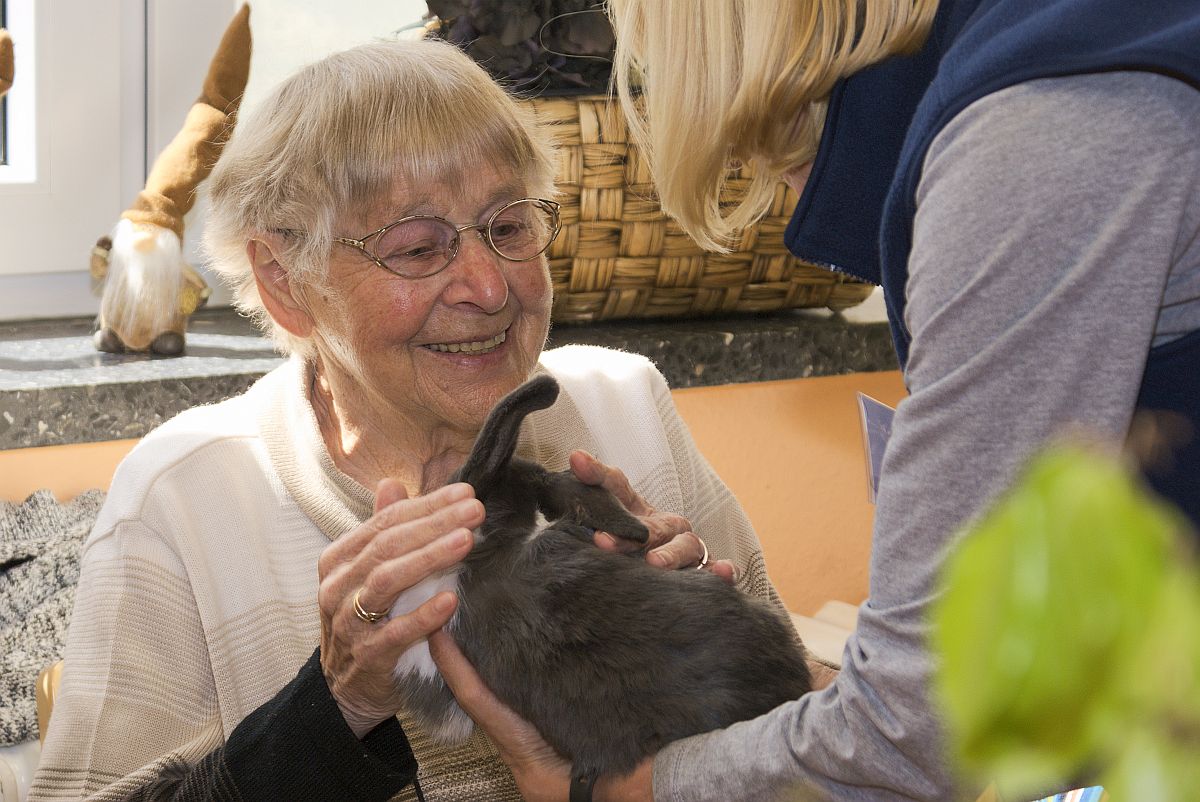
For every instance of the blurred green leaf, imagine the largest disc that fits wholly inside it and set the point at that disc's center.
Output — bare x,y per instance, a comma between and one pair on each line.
1153,767
1043,623
1165,680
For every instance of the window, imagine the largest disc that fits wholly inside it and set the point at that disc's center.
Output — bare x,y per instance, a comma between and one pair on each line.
72,119
100,90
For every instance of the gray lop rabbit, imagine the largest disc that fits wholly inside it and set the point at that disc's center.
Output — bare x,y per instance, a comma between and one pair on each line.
607,656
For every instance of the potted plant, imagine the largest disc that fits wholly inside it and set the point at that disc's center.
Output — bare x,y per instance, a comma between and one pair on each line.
1068,637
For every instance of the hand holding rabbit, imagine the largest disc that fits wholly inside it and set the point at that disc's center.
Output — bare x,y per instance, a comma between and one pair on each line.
672,543
541,774
539,771
403,543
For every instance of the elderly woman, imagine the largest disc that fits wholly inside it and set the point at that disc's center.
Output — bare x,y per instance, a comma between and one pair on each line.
385,215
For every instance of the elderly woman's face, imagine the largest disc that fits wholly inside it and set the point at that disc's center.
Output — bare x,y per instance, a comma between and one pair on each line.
444,348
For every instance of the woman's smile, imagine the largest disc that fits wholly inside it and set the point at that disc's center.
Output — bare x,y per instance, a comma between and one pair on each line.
472,347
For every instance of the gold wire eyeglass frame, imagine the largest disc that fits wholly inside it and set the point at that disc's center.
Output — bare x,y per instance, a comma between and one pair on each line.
486,229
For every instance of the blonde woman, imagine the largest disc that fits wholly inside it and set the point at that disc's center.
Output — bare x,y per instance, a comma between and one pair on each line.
1023,179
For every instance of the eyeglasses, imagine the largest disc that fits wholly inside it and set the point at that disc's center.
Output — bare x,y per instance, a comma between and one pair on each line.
422,245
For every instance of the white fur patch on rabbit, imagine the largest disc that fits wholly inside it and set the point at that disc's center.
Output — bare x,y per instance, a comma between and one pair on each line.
416,659
540,525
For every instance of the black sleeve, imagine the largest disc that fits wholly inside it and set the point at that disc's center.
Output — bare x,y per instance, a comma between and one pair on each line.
295,746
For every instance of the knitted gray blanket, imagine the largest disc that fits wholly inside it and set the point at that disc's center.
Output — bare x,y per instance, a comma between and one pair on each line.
40,541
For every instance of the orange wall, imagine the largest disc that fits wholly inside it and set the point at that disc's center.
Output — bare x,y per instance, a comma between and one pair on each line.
790,450
66,470
792,453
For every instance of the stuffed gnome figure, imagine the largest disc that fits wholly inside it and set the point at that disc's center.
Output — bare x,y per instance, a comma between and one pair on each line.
148,290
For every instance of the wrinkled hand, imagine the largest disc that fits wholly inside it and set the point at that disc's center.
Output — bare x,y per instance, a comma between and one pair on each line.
404,542
542,775
672,542
540,772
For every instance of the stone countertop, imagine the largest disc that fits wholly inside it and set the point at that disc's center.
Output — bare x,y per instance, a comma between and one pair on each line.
55,388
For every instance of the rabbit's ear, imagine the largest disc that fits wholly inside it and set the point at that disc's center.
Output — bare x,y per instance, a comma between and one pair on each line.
497,440
562,496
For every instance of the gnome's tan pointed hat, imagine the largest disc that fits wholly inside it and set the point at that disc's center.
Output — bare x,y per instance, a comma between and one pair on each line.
6,62
171,186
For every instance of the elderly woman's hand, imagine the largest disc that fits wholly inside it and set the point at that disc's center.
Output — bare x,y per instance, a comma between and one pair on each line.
672,542
540,772
403,543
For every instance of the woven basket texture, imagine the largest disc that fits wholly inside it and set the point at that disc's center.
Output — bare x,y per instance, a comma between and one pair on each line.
619,256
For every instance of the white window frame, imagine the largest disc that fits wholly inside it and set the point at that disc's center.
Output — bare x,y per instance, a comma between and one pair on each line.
112,110
110,84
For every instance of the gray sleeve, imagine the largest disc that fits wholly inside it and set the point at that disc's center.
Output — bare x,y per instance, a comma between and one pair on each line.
1054,219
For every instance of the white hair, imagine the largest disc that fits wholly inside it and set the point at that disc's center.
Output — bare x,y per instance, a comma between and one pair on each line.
331,140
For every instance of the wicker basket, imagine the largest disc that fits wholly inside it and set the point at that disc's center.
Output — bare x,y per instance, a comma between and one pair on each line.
619,256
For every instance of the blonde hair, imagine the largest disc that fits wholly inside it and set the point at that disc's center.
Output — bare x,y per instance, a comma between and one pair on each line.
742,81
331,139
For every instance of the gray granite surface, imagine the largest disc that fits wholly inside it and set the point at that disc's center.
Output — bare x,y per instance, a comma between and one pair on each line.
56,388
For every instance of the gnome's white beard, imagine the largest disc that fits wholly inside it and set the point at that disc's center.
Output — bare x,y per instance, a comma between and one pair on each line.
144,283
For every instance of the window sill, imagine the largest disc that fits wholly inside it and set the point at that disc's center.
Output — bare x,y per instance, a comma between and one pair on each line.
56,389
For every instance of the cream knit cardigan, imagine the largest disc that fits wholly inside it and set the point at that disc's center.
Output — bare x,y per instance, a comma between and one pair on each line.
197,600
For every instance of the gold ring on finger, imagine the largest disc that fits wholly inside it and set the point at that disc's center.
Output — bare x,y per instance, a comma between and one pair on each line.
367,615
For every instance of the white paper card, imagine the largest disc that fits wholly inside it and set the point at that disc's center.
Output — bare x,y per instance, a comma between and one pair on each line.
876,429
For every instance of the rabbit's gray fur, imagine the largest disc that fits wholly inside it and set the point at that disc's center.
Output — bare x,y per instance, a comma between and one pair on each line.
607,656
